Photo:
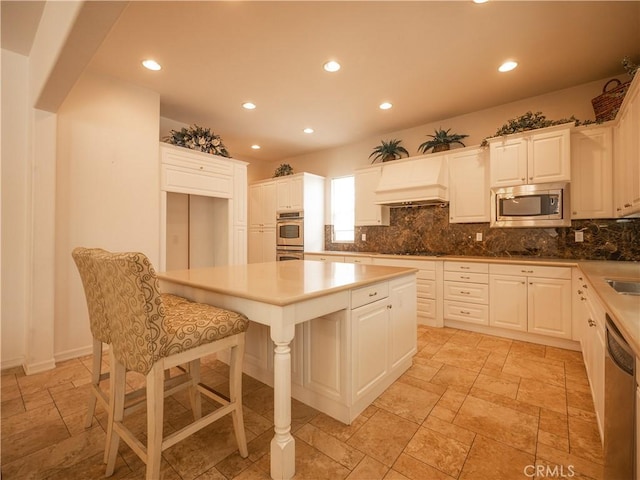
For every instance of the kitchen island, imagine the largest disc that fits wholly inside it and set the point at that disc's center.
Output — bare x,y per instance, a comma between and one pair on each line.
373,310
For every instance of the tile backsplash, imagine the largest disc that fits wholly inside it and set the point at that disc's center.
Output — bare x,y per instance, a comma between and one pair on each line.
427,229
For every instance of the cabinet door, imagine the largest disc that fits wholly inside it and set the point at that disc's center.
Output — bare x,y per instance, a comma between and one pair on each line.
290,193
591,173
469,187
370,346
549,157
262,205
403,337
549,306
508,302
367,212
508,162
261,245
627,149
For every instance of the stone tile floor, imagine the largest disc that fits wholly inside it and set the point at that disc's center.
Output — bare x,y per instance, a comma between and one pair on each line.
472,406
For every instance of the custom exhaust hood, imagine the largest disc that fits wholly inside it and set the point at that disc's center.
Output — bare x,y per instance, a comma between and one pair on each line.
413,182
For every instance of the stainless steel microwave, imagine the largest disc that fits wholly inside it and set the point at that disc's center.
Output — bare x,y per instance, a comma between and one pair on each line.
538,205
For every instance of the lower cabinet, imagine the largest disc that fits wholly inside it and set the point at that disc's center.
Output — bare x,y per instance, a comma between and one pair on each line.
531,299
590,320
343,361
262,245
466,292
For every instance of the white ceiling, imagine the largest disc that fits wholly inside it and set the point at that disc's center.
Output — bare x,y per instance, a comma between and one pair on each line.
432,60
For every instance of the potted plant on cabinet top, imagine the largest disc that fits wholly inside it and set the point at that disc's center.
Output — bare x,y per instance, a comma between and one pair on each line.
388,151
441,141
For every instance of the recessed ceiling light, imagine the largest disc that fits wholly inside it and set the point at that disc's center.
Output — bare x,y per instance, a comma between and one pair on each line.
151,64
248,105
308,130
255,147
507,66
331,66
385,106
480,1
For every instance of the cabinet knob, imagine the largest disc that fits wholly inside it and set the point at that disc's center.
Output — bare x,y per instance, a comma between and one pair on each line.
389,307
627,205
201,167
523,179
373,294
574,213
530,178
591,323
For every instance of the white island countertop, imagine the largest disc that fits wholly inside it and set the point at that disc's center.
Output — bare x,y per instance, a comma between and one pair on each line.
283,283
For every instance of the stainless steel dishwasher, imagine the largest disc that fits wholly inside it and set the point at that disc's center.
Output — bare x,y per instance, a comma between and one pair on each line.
619,406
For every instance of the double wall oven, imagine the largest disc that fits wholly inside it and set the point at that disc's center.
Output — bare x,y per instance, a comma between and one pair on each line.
290,235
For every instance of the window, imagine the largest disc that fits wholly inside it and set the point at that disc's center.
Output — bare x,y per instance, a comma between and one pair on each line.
343,208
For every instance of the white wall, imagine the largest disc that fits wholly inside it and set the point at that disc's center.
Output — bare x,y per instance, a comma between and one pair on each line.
108,189
15,205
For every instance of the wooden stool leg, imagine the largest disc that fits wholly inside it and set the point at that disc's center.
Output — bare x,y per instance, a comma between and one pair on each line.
155,414
116,409
96,371
235,396
194,395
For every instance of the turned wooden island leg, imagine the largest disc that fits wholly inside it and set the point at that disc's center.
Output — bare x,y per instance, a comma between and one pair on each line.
283,450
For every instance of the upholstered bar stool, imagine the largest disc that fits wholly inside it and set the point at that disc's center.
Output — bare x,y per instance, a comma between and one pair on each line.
84,259
148,338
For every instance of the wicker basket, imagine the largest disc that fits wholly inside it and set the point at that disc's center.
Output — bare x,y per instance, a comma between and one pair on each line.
607,104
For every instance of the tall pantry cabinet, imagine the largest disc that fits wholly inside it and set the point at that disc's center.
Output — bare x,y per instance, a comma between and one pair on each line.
203,209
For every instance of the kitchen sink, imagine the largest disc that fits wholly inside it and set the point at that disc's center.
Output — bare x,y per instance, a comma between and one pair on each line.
625,287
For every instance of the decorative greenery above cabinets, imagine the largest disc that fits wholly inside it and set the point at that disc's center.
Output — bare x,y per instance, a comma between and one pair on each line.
198,138
388,151
282,170
531,121
441,141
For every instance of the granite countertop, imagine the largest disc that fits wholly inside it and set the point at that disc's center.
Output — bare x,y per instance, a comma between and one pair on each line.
283,283
624,310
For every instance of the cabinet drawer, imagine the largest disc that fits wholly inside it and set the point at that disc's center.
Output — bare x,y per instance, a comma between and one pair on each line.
467,292
190,180
426,275
466,277
189,160
324,258
466,267
531,271
426,288
368,294
466,312
363,260
426,307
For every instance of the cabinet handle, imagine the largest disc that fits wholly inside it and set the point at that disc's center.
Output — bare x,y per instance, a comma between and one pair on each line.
464,312
465,268
579,292
584,285
591,323
373,294
523,283
530,283
618,209
522,179
575,213
465,293
583,299
626,205
530,178
464,277
526,271
389,306
201,167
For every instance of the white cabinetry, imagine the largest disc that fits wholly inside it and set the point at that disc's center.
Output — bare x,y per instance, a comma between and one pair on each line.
469,186
591,172
324,257
466,292
589,319
545,291
290,192
540,157
429,286
262,222
383,329
367,212
203,204
627,152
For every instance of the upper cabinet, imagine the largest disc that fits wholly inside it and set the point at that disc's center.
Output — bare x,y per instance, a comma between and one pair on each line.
469,186
290,193
540,157
262,205
591,172
367,212
626,150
